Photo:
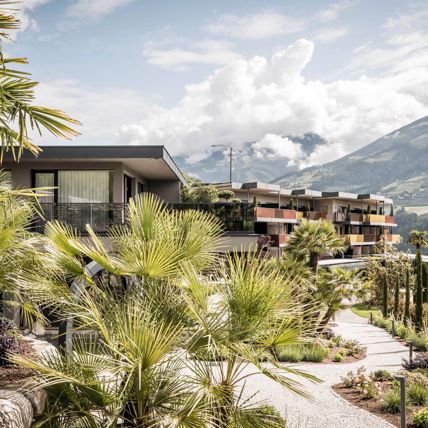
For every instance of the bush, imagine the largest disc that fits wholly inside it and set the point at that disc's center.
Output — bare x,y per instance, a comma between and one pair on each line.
8,340
419,362
391,402
338,358
419,342
382,375
403,332
420,418
354,348
312,352
417,395
362,382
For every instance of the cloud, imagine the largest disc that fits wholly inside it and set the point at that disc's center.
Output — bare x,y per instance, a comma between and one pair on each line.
102,111
94,9
405,46
332,12
255,27
273,146
24,14
251,100
208,52
328,35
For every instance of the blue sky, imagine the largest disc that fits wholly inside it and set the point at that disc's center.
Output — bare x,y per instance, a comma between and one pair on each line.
194,74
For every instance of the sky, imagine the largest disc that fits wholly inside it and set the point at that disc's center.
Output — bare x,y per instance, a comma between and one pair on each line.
193,75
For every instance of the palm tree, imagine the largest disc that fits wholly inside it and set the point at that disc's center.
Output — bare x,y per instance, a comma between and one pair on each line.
419,240
314,239
18,114
155,315
21,255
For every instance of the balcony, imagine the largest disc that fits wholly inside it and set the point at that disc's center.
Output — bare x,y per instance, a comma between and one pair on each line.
279,240
374,218
389,219
314,215
273,215
103,216
395,239
100,216
370,239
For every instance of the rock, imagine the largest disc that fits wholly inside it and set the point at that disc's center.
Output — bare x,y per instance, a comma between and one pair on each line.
26,331
38,329
16,410
38,399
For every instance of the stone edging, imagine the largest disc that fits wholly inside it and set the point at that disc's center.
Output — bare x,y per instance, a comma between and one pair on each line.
19,407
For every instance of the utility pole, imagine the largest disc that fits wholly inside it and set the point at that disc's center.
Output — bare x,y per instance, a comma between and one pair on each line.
230,163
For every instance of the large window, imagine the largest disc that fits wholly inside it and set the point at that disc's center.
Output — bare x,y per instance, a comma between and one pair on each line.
76,186
83,186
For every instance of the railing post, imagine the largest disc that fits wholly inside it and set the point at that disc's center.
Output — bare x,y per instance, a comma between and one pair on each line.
410,352
402,381
393,328
371,318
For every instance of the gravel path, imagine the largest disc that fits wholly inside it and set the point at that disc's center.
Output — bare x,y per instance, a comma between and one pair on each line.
327,410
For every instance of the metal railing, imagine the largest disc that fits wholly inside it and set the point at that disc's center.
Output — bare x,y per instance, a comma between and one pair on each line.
100,216
103,216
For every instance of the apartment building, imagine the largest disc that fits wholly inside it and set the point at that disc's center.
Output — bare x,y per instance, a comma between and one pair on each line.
362,220
92,185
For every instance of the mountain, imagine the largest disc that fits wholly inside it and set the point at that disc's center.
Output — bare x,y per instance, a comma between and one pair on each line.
248,164
395,165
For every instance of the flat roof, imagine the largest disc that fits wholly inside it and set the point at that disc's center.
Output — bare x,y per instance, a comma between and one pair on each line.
339,195
257,185
307,192
375,198
134,156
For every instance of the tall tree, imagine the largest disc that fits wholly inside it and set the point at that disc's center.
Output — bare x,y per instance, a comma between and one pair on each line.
425,282
18,114
419,240
314,239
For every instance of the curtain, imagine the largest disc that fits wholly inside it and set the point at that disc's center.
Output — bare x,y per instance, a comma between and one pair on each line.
85,186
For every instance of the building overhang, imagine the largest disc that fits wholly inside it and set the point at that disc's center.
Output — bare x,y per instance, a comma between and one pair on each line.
306,192
152,162
372,198
340,195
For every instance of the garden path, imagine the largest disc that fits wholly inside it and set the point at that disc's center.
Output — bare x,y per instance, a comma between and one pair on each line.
326,409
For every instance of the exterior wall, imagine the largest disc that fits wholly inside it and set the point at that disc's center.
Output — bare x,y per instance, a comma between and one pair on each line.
168,190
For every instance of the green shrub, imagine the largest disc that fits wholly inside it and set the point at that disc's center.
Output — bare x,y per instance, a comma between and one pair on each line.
419,342
270,417
382,375
420,418
417,395
338,358
311,352
391,402
403,332
423,372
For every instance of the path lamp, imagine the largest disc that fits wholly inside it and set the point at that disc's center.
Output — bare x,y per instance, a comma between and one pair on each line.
393,328
410,351
402,381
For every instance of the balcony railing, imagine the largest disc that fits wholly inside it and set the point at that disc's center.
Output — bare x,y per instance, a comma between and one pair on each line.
356,239
103,216
274,215
100,216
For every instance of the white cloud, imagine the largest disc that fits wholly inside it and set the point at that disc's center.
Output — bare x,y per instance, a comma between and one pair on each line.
101,111
208,52
273,146
335,10
328,35
94,9
24,14
254,27
405,46
249,99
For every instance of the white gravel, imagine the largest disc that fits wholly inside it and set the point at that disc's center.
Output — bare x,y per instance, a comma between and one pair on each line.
326,409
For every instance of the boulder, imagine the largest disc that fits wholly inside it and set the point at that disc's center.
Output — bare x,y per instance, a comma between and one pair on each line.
16,410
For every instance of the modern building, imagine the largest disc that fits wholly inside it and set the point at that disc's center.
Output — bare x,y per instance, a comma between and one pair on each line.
362,220
92,184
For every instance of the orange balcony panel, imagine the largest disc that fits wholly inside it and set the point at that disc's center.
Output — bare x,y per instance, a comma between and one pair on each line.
390,219
279,240
261,213
374,218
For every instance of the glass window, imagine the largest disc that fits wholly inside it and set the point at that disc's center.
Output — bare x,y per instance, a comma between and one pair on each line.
45,179
85,186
